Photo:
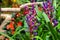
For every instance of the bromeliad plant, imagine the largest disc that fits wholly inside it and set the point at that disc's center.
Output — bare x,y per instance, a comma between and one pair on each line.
34,22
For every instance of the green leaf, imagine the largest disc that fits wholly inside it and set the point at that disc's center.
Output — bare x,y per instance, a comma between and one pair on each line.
19,2
18,32
45,17
53,31
25,24
38,18
54,4
22,1
47,37
58,12
59,19
58,26
37,37
40,29
39,13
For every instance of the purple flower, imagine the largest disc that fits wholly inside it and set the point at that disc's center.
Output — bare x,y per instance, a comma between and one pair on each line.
33,23
55,22
35,28
52,8
26,7
35,33
32,16
33,10
49,12
45,5
27,18
32,20
32,7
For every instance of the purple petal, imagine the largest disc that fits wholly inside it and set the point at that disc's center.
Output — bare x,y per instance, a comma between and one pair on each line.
45,5
35,28
32,7
35,33
55,22
26,7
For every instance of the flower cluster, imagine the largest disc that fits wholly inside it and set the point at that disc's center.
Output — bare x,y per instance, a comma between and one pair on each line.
32,21
12,23
48,8
11,26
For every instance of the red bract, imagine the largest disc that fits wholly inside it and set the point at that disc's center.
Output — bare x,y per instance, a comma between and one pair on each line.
26,12
19,24
31,30
49,16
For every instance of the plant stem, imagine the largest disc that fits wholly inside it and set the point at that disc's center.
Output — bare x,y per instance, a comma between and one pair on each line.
6,35
18,32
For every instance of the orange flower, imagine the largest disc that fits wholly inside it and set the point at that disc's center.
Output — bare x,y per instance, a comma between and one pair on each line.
19,24
11,26
12,22
8,27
